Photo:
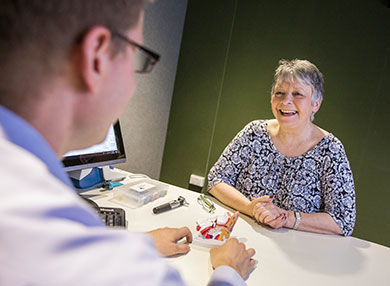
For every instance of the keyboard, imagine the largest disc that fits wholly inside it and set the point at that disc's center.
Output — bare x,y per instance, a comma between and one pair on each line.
112,217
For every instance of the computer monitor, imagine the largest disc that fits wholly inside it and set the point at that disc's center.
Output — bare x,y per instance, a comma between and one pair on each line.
110,151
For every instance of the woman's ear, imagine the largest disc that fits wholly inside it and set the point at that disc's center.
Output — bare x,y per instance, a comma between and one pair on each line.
317,105
95,55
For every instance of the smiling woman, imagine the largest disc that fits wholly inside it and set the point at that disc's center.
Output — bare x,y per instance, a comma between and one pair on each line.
288,172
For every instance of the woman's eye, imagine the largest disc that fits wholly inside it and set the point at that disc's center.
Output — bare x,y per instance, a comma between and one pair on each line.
278,93
297,94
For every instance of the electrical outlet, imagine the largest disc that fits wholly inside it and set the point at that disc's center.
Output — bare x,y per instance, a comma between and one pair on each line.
197,180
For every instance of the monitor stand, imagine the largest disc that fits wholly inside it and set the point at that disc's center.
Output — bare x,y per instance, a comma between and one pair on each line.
94,177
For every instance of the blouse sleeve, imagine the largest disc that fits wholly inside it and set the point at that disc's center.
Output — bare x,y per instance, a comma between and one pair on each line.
232,160
338,188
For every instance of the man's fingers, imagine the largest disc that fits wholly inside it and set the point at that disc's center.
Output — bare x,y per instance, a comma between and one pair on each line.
183,232
182,248
253,262
248,263
232,240
251,252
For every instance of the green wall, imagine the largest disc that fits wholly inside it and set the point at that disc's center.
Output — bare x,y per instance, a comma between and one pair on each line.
230,49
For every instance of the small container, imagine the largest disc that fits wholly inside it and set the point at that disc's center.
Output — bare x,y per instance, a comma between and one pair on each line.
139,193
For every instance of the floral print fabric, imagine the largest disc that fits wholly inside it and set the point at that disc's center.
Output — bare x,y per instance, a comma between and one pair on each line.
318,181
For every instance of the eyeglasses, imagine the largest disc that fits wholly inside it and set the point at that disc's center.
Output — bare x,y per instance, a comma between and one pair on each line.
206,203
145,59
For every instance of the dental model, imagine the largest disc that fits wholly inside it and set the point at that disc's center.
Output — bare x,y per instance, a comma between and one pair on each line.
217,227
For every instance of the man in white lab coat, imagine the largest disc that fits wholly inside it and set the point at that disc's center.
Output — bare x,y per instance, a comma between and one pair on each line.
62,63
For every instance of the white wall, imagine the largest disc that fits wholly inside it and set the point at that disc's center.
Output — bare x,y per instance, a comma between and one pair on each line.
145,121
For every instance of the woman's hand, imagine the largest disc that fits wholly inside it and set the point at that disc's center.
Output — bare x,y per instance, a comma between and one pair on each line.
254,203
264,211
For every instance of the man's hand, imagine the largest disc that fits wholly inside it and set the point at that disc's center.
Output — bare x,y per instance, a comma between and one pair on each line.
235,255
166,240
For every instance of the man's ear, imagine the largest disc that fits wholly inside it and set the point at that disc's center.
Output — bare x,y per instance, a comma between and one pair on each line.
95,56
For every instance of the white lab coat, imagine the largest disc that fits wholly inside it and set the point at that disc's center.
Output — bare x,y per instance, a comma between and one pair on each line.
44,241
37,248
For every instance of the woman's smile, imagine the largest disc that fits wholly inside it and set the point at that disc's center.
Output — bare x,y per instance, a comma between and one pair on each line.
288,113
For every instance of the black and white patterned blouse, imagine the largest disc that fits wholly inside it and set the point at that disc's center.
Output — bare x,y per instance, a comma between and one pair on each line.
318,181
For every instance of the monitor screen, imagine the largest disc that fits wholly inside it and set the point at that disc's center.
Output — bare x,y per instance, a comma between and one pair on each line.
110,151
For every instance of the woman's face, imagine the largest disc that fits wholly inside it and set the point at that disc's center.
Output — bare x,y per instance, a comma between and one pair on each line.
291,103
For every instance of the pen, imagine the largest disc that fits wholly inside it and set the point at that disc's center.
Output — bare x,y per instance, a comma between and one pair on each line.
170,205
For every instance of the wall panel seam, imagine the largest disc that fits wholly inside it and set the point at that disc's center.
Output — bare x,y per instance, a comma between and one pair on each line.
220,89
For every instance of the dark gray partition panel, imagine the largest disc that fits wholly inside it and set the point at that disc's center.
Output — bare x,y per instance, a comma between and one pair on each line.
228,55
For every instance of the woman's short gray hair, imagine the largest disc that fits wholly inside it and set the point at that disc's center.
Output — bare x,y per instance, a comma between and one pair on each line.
301,70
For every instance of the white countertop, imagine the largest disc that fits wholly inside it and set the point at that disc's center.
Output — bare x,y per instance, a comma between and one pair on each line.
285,257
